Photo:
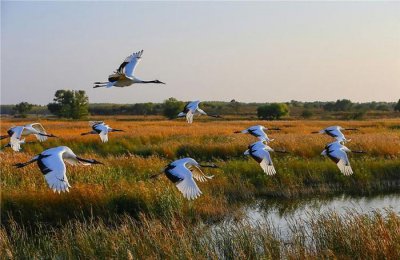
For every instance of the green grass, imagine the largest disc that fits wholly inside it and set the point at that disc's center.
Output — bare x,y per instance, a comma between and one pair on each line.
123,186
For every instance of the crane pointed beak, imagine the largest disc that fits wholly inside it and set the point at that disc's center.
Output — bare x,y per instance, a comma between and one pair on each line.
159,82
91,161
97,162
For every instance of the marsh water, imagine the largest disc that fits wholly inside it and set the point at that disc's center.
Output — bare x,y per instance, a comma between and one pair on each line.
279,214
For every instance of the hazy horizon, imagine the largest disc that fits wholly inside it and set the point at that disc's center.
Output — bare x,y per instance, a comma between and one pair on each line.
250,52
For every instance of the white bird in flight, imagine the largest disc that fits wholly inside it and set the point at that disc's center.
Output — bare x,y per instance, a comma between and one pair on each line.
124,75
338,154
51,164
335,132
15,133
100,128
182,173
260,152
192,108
258,131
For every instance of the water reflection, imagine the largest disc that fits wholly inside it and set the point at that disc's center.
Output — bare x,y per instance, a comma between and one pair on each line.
280,213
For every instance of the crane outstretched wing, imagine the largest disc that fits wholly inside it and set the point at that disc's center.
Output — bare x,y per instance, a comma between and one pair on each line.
183,179
38,127
92,123
189,117
102,129
266,163
189,188
104,136
334,132
53,168
192,105
15,144
198,174
344,163
15,139
262,156
128,66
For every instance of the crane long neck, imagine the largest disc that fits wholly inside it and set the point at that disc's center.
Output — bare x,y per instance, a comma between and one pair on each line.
208,166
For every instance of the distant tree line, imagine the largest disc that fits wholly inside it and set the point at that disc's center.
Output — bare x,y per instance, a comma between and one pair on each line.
126,109
75,104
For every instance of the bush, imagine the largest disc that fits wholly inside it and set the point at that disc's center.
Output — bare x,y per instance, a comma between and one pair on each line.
272,111
306,113
339,105
397,106
172,107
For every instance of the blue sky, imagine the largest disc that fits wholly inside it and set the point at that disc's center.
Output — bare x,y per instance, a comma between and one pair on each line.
259,51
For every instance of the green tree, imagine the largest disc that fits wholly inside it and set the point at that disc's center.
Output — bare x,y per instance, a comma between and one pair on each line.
172,107
339,105
383,107
397,106
23,108
272,111
142,109
235,106
306,113
70,104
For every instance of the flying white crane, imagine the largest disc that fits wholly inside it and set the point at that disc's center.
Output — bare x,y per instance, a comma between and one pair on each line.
259,151
51,164
15,133
258,131
337,153
100,128
124,75
335,132
191,109
181,172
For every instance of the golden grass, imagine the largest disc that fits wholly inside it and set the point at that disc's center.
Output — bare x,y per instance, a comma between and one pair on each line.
328,236
378,138
156,218
147,146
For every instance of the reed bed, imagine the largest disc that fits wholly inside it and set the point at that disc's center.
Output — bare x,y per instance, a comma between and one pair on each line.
116,210
122,185
171,138
351,235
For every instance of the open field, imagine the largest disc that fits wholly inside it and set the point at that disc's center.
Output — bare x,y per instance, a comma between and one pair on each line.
118,195
123,185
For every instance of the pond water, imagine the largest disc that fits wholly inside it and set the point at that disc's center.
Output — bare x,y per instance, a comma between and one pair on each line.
280,213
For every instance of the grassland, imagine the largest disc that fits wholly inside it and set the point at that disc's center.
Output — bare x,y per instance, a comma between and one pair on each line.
327,236
112,198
